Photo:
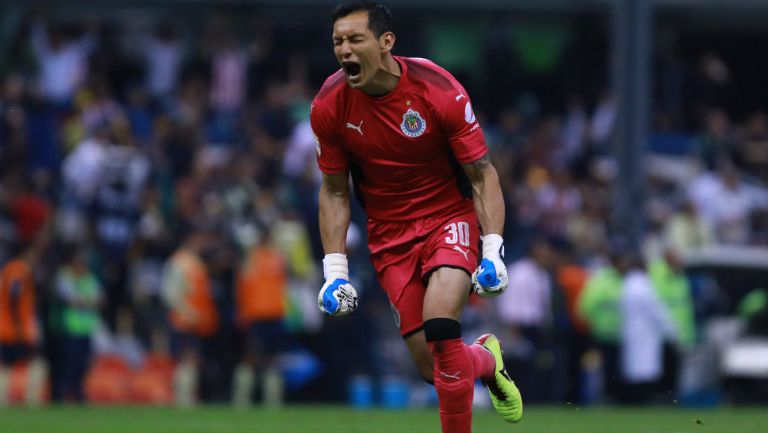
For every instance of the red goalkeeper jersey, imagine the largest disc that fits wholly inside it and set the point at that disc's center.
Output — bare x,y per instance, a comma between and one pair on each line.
403,149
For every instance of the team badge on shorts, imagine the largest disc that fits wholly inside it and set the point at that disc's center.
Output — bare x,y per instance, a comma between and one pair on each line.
413,124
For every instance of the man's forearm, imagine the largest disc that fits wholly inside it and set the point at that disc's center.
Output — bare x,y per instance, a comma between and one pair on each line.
489,201
334,219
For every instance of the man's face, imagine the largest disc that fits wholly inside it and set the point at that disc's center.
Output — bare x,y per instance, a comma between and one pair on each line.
357,49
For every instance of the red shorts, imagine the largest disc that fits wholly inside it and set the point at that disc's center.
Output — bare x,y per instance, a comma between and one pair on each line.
405,253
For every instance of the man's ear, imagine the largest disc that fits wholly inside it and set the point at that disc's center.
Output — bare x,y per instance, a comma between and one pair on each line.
387,41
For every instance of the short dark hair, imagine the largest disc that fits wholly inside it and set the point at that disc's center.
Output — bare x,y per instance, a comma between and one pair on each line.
379,16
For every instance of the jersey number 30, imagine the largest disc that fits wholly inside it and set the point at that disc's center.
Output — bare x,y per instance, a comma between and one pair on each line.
457,232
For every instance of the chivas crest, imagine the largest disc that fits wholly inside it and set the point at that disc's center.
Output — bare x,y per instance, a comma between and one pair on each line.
413,124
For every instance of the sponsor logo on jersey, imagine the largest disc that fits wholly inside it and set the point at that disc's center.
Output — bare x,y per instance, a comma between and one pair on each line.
469,115
413,124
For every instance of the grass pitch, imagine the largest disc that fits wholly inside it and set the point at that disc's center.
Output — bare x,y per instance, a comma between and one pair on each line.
338,419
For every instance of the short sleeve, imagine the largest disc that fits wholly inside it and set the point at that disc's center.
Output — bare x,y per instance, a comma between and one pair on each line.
461,126
331,157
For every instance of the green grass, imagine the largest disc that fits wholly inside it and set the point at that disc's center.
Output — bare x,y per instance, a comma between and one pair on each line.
336,419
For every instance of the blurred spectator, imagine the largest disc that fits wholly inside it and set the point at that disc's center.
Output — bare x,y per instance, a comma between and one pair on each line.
31,212
754,310
646,323
527,210
99,107
261,312
63,60
186,290
574,129
81,297
511,131
82,169
163,56
139,114
14,120
570,280
190,106
712,83
753,149
558,199
229,68
726,202
525,312
599,305
587,230
674,290
603,120
115,211
154,242
685,231
716,140
300,153
229,64
20,333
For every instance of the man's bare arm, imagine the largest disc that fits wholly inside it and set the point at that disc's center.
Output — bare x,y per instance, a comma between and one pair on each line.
490,278
488,199
334,212
337,297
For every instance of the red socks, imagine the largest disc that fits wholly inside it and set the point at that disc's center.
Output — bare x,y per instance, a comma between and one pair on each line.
483,362
456,366
454,378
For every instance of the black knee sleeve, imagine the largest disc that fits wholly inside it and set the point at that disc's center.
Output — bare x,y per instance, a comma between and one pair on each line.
442,329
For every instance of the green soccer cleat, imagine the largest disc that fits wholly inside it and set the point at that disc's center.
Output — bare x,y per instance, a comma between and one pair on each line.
504,394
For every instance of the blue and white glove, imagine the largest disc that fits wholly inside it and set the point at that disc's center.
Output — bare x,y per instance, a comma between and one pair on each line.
337,297
490,278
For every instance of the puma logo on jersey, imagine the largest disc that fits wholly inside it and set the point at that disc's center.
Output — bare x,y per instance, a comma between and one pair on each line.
466,253
459,96
358,128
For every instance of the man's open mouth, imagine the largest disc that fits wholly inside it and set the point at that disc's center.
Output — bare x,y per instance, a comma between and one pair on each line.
352,69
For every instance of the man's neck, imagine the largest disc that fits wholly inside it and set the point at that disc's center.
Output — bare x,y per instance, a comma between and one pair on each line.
386,78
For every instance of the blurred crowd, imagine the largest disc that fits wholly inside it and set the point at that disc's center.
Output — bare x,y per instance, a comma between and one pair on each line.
158,215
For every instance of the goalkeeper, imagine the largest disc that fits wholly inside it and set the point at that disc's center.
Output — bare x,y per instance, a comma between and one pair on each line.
404,129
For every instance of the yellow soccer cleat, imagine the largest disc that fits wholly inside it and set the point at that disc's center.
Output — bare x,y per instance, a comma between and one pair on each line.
504,394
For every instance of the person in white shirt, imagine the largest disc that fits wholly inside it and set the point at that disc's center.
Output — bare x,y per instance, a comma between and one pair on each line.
63,62
163,53
300,154
525,312
645,326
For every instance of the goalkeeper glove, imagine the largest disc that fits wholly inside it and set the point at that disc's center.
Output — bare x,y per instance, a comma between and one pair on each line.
490,278
337,297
